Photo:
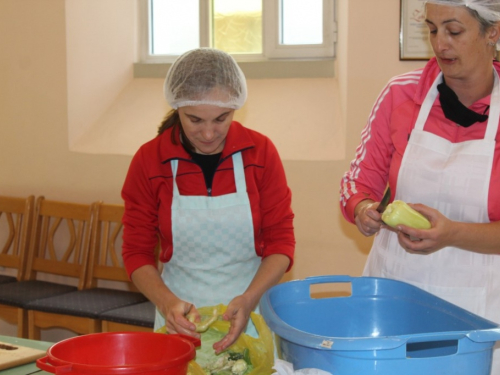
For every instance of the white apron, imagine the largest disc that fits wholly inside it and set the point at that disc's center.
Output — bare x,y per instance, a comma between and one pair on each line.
453,178
214,257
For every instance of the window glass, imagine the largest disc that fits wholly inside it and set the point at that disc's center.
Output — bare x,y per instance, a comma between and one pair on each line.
174,26
301,22
250,30
237,26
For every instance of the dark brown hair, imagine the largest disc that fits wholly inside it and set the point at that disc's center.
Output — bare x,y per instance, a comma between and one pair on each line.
173,120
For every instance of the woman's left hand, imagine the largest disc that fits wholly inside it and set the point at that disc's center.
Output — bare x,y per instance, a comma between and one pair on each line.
237,313
426,241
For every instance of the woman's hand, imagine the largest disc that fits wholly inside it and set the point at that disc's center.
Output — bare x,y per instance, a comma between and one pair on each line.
176,317
149,282
426,241
367,218
237,313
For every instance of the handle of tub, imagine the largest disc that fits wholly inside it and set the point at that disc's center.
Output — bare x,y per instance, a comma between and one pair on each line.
329,279
45,366
333,279
441,345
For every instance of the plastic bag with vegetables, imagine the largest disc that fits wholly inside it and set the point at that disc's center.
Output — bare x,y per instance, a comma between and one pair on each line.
247,356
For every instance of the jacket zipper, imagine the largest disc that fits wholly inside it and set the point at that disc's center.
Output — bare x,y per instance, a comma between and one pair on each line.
209,190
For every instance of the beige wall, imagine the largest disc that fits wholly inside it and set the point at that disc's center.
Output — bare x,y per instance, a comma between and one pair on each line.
34,153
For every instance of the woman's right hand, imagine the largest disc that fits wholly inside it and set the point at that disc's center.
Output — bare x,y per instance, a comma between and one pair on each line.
176,317
367,218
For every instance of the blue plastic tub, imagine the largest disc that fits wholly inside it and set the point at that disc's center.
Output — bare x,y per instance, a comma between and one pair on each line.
384,327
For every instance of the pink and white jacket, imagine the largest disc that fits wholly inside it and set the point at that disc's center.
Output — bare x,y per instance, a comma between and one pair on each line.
385,136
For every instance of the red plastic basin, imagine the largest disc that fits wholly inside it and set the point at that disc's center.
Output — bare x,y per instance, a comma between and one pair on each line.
121,353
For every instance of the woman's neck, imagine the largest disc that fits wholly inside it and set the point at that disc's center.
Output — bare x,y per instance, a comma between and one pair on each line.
472,89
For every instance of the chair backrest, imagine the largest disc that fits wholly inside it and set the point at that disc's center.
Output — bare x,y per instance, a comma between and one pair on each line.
61,241
106,261
16,219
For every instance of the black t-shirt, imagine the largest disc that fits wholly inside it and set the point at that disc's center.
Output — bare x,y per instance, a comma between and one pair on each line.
208,164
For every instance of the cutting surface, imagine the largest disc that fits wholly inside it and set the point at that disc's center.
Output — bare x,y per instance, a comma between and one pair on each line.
12,355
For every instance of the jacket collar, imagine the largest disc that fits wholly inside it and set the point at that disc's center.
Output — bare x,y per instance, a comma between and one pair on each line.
238,139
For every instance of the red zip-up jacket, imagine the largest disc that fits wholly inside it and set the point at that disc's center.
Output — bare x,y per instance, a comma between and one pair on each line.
385,136
147,193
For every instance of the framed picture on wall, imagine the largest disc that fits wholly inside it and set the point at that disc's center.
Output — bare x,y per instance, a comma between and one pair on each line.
414,34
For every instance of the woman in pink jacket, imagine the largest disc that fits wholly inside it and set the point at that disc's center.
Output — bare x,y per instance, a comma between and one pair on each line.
433,137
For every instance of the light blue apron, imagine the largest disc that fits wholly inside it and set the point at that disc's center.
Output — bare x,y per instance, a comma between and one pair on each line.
214,257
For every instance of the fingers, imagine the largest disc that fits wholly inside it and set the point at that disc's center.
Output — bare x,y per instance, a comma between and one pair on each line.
368,220
237,313
235,330
226,342
176,320
413,243
193,314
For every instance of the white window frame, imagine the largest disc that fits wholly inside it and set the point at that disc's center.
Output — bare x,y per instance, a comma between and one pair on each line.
272,49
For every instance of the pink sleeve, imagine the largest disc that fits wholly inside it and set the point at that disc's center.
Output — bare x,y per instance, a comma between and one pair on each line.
369,170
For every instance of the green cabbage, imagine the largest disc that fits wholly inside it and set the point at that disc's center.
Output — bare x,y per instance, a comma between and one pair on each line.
206,357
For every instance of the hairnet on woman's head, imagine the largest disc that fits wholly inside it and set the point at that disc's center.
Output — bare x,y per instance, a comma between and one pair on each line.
487,9
205,76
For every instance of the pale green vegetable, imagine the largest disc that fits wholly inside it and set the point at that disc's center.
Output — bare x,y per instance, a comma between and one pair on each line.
204,324
239,367
228,362
398,212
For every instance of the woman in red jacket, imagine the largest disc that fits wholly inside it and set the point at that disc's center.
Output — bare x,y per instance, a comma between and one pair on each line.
215,194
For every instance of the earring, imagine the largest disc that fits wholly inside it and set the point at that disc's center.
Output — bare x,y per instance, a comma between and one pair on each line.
491,44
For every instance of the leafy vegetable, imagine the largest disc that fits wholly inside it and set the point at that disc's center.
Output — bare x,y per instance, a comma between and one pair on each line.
226,363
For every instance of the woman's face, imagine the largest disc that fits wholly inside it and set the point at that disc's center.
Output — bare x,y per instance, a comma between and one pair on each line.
206,126
460,47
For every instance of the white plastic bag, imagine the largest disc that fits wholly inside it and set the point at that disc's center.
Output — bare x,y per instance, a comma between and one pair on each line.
286,368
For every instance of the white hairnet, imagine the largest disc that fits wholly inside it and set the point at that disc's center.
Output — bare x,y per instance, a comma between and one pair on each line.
205,76
487,9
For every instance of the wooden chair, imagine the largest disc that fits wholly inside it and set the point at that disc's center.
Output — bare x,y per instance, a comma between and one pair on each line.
137,317
80,310
58,252
16,216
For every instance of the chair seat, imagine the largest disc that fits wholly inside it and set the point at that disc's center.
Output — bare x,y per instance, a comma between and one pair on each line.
21,293
4,279
141,314
89,303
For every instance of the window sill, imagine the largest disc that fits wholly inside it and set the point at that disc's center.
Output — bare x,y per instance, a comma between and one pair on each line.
255,69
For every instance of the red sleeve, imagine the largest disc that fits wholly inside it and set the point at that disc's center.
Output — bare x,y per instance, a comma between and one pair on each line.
140,220
275,206
369,170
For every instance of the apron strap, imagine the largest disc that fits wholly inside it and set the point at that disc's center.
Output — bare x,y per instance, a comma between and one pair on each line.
428,102
239,173
494,116
173,165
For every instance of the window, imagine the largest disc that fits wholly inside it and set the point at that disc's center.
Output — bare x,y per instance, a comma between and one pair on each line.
251,30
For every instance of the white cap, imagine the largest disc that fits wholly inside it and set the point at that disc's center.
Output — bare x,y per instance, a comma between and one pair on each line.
205,76
487,9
